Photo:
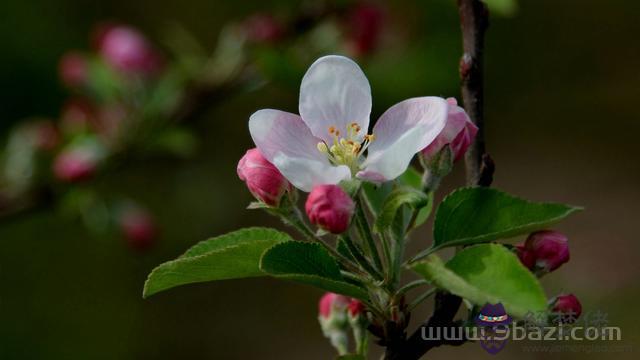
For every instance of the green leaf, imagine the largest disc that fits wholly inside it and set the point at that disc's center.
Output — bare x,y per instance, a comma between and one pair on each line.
487,273
231,256
479,214
399,197
308,263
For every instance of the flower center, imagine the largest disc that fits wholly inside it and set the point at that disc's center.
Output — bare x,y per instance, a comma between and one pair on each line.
346,150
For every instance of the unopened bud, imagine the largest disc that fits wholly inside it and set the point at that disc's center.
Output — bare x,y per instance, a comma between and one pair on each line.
79,161
263,179
330,208
73,69
365,23
332,316
458,133
567,306
263,28
138,227
545,251
127,50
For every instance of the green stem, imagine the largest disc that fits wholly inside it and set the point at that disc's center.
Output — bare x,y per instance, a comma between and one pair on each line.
423,254
410,286
360,258
365,232
294,218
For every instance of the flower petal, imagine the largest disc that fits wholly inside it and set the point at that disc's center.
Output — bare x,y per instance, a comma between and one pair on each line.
334,92
287,143
400,133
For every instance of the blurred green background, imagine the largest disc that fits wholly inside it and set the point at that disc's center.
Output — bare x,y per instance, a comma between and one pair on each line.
562,83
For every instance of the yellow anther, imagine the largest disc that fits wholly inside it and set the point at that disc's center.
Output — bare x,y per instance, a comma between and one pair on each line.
337,132
323,148
332,130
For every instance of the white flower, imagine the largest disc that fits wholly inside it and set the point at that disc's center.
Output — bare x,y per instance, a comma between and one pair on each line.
329,143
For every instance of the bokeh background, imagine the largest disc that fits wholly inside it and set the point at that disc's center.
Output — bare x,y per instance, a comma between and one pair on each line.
561,123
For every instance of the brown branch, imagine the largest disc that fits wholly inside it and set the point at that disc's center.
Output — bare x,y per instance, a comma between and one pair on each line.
474,20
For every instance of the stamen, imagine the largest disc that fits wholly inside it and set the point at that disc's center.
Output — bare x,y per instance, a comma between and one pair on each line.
332,130
323,148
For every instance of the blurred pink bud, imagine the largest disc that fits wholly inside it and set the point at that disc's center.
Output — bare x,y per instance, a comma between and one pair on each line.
330,208
74,166
550,249
138,227
77,116
331,302
365,25
73,69
567,304
43,134
355,307
263,179
127,50
263,28
458,134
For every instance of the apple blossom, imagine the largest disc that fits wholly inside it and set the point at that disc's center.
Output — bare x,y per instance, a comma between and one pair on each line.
458,133
330,208
327,142
262,178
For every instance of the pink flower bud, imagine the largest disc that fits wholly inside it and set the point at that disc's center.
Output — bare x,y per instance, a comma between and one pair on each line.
331,302
458,133
138,227
526,256
567,304
127,50
263,179
330,208
73,69
364,27
263,28
78,162
550,249
355,307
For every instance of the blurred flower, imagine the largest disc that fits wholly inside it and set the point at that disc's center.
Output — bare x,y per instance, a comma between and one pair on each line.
364,24
544,251
79,160
331,303
567,306
356,308
330,208
127,50
458,134
138,227
263,28
326,144
332,315
263,179
42,133
73,69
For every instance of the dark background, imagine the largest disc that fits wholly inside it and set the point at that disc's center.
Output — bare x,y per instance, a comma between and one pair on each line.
562,125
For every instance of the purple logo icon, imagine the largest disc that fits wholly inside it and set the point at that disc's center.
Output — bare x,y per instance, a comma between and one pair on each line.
493,321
